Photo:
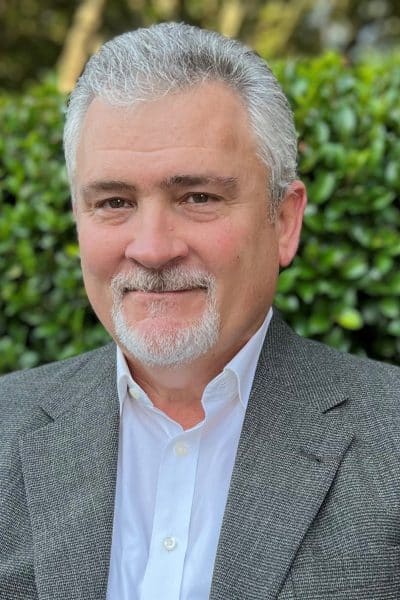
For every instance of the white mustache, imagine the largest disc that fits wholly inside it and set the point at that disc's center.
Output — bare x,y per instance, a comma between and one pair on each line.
170,279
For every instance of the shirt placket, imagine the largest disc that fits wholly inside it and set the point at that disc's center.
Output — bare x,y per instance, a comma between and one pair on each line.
171,523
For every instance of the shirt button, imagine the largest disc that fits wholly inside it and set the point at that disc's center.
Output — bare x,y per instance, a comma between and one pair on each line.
181,449
135,394
169,543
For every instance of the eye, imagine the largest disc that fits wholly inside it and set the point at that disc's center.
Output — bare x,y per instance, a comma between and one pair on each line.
116,202
200,198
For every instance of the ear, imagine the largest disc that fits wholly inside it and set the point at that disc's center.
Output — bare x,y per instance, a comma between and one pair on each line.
289,221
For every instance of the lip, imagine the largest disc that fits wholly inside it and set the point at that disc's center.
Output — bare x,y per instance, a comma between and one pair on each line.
166,294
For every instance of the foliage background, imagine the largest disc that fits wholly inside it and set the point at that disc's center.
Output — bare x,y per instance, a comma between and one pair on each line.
343,287
38,34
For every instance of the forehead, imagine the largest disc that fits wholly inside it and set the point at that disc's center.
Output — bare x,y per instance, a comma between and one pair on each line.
209,115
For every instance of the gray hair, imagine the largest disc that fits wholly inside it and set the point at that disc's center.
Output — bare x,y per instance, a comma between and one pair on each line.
149,63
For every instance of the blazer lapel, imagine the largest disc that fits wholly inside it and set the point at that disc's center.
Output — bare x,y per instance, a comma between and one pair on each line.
288,454
69,468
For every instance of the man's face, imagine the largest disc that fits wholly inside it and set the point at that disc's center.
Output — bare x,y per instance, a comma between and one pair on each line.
172,212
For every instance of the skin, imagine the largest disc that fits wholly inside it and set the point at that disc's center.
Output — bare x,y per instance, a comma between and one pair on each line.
177,181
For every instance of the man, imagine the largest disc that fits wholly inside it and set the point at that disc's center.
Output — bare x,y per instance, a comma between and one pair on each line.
213,453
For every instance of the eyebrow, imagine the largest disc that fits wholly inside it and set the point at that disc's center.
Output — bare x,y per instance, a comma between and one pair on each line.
107,186
231,184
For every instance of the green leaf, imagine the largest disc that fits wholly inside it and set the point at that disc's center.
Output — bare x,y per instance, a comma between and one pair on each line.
389,307
322,188
345,121
354,268
394,327
350,318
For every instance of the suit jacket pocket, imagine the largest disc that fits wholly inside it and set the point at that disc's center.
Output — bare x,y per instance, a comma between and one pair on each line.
374,575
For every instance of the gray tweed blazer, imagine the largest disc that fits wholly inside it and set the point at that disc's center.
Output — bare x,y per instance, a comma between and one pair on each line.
314,506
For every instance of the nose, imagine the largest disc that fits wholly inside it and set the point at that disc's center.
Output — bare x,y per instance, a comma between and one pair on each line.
155,239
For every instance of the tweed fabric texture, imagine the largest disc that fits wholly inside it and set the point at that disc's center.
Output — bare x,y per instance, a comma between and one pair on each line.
314,503
59,433
313,508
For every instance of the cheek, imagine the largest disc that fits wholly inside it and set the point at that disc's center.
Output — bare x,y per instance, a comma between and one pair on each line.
100,254
222,256
244,246
227,255
100,259
248,260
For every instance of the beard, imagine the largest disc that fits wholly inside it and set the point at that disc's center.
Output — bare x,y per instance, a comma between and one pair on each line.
168,346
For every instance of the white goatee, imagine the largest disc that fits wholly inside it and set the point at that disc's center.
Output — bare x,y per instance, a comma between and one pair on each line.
172,346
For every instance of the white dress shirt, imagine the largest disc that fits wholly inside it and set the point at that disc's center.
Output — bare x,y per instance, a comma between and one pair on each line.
172,484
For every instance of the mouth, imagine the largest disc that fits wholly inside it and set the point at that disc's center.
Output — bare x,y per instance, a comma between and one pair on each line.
156,292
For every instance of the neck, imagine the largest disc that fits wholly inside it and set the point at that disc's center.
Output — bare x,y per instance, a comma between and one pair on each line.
177,391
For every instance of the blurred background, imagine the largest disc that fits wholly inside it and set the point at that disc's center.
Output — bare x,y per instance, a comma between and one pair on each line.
38,35
338,62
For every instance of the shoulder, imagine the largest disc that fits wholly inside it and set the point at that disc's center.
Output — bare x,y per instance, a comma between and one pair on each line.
371,390
360,370
22,392
324,373
356,372
53,373
284,340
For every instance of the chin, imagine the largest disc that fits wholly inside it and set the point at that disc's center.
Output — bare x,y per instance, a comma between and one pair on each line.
156,326
167,342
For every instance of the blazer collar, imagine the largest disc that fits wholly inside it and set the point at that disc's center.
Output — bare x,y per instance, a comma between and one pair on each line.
69,468
291,446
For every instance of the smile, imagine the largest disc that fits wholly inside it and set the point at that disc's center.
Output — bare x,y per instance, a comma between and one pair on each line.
163,292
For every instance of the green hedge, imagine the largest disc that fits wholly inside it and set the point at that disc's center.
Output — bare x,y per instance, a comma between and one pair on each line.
344,286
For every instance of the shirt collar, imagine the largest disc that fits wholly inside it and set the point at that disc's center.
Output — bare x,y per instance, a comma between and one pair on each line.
243,365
